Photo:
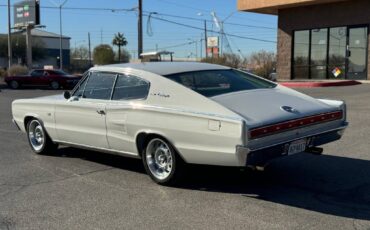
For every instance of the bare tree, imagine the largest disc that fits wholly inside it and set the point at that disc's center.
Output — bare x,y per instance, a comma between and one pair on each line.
263,62
231,60
81,52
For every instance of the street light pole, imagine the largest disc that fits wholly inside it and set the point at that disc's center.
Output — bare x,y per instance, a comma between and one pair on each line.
9,39
61,35
140,29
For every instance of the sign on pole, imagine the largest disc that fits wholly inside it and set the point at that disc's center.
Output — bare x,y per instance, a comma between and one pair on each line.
212,41
27,13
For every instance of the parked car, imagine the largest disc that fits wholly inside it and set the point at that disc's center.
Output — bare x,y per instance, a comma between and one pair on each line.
173,113
43,77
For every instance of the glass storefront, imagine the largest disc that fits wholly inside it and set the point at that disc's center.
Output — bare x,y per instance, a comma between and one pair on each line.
301,52
330,53
319,45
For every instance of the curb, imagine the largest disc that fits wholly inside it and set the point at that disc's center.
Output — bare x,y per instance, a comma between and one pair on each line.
314,84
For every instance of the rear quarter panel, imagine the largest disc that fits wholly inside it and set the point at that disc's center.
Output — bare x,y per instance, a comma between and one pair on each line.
200,139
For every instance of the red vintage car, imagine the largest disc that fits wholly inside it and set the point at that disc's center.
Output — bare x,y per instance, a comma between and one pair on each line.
43,77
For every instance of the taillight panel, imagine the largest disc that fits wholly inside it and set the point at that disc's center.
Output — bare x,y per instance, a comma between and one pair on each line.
293,124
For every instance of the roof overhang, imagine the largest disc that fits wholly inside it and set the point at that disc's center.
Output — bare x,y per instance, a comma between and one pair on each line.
273,6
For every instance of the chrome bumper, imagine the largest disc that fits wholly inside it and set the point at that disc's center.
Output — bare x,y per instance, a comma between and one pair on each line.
261,156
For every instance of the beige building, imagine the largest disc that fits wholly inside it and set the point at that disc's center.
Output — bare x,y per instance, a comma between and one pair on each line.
319,39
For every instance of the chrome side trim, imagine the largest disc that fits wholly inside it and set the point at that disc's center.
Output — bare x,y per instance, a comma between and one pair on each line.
15,123
298,138
88,147
175,110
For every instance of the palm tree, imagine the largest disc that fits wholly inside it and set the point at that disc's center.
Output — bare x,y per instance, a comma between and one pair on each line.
119,40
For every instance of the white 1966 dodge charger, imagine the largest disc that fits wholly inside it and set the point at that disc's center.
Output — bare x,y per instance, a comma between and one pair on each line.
169,114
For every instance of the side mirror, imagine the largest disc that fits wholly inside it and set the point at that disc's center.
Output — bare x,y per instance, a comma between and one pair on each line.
67,95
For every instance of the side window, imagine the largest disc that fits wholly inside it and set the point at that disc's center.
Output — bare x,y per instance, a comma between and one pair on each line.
99,85
80,89
37,73
129,87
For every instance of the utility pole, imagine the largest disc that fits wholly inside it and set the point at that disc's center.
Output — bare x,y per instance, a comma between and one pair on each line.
140,29
61,35
196,50
29,46
88,35
10,59
201,49
205,38
60,39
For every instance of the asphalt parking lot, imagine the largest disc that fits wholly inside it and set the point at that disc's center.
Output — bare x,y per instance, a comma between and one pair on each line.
78,189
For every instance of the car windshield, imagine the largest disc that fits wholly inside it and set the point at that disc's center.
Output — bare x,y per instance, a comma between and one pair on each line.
211,83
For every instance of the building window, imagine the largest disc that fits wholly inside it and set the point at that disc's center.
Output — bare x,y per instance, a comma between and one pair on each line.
319,52
337,52
301,54
330,53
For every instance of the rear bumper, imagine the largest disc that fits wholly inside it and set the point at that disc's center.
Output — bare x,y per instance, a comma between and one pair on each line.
262,156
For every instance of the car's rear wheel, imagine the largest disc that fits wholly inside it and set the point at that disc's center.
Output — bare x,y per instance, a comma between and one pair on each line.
162,162
39,140
14,85
54,85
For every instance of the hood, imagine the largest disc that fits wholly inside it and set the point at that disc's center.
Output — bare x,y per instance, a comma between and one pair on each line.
266,106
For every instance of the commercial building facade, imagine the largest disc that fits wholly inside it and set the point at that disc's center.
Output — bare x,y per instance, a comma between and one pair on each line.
319,39
51,45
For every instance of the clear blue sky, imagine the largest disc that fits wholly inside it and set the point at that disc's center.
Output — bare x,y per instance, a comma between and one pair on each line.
77,23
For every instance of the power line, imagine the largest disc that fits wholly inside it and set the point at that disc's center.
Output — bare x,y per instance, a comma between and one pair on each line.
113,10
182,5
226,23
178,45
116,10
199,9
213,31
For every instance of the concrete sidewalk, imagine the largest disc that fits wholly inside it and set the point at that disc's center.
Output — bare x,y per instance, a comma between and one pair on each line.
323,83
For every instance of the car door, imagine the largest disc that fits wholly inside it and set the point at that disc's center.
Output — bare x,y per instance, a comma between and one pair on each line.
81,119
35,78
121,130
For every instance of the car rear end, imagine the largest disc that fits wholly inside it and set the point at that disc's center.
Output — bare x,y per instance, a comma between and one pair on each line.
289,137
278,121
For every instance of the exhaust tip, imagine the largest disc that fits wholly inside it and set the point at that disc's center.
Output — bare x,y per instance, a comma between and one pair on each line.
315,150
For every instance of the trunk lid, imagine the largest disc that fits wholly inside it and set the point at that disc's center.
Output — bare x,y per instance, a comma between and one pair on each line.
269,106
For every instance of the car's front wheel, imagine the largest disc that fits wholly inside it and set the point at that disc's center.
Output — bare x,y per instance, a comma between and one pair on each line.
14,84
38,139
162,162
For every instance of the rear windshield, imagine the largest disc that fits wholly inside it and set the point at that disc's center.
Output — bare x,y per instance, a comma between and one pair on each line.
211,83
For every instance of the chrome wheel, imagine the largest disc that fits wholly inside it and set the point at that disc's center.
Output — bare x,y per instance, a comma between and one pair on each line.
159,158
36,135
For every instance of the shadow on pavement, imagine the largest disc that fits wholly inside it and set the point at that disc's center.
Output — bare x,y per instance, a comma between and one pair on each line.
327,184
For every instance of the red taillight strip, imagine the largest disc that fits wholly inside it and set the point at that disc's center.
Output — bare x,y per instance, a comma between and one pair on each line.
288,125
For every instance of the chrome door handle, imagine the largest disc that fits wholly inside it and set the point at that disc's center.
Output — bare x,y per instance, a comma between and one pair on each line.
100,111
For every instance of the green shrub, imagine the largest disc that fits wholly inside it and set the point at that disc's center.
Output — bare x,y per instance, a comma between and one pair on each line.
17,70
